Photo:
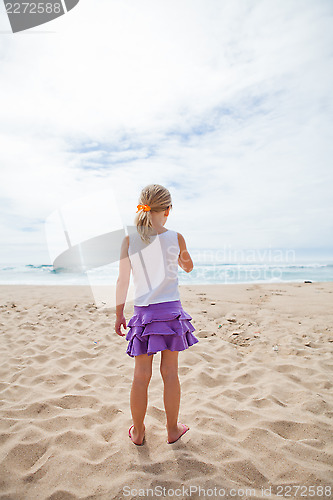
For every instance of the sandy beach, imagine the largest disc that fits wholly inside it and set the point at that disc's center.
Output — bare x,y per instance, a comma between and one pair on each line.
256,393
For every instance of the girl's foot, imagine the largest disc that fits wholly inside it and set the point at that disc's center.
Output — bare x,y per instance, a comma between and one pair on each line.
175,434
137,437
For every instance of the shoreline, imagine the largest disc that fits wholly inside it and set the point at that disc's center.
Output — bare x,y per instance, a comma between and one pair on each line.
183,285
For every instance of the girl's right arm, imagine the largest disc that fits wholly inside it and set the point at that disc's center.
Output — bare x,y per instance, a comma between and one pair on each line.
184,258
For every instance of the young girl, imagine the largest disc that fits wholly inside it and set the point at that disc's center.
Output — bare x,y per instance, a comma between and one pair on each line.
159,323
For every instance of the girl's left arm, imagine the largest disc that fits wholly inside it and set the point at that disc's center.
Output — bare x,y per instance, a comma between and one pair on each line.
122,285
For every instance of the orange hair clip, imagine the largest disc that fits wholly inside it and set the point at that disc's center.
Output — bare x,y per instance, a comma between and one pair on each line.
145,208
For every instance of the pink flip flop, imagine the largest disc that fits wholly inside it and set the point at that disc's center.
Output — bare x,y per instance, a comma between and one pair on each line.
129,435
185,430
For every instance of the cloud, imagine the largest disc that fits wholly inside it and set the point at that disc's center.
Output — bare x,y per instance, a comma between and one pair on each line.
228,104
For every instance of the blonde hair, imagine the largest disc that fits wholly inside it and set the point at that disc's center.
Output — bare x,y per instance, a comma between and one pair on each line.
159,199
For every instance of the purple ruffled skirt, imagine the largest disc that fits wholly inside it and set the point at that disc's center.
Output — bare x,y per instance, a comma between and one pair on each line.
160,326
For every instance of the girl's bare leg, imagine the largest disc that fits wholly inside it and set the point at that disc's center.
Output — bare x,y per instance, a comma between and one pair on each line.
139,395
169,372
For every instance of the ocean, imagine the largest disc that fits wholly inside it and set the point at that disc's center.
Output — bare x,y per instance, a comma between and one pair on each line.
208,269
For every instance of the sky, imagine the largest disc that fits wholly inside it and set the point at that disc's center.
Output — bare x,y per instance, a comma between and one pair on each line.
227,103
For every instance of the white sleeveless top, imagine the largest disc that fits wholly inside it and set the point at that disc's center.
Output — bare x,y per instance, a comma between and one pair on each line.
154,267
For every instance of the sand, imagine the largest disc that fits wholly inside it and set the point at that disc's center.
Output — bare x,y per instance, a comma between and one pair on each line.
260,416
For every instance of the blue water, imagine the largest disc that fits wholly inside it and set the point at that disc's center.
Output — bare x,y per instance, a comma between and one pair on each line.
203,273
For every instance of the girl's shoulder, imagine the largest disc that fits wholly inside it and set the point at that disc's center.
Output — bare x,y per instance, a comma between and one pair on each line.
124,247
126,241
181,242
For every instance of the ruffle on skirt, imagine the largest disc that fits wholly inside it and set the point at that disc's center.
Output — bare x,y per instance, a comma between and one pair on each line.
158,327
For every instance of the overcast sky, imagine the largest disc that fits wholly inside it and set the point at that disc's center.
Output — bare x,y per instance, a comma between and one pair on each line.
227,103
